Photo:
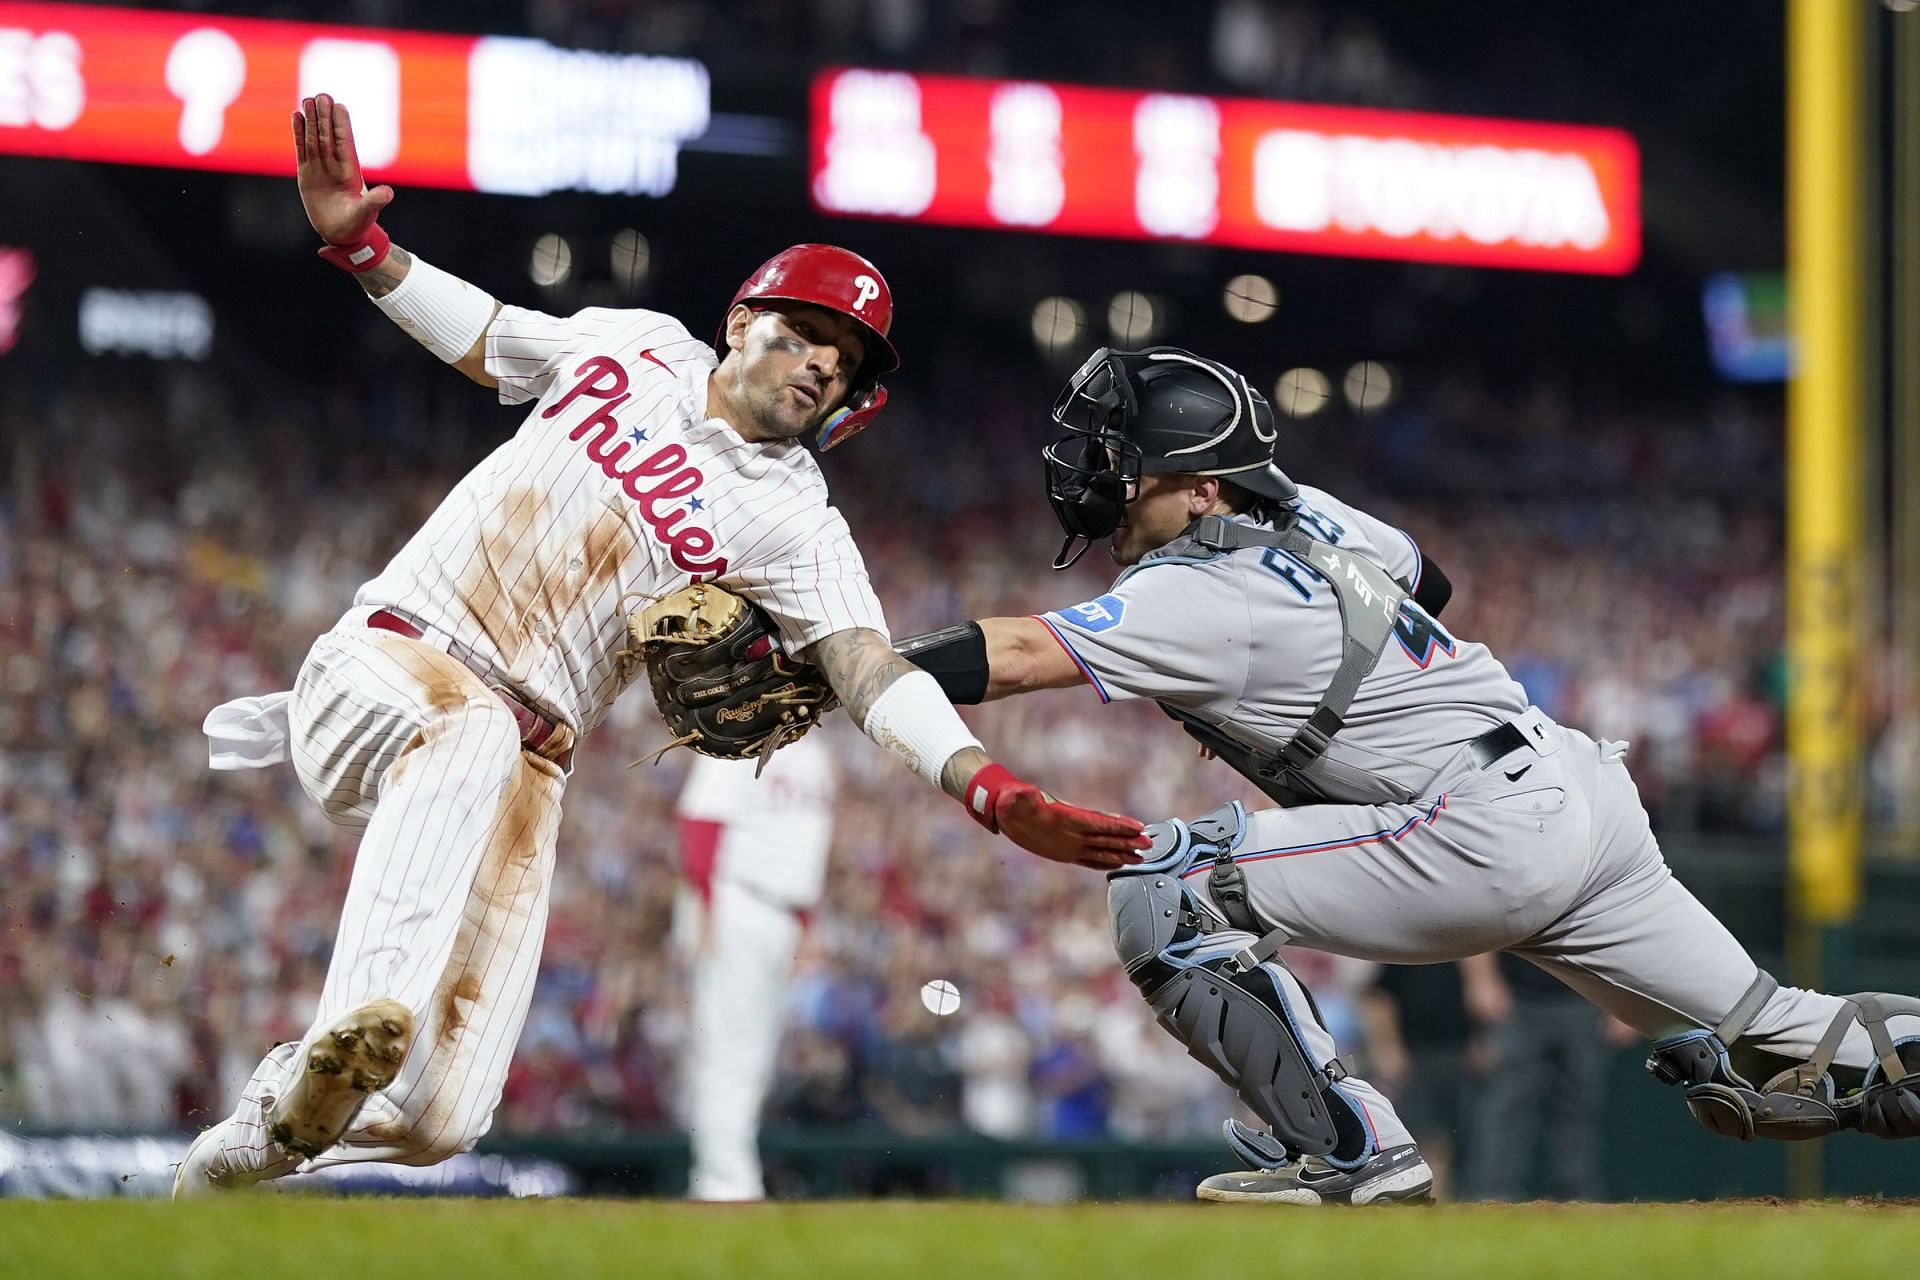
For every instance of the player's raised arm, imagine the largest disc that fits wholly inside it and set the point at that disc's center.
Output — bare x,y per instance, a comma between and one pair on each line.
903,709
441,312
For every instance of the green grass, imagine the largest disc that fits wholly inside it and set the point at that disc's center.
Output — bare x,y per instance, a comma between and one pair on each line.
264,1236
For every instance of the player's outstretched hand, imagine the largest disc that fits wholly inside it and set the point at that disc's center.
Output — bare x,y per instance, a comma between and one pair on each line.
1058,832
332,189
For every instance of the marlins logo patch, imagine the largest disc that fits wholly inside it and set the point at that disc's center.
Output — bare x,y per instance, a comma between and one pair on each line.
1095,616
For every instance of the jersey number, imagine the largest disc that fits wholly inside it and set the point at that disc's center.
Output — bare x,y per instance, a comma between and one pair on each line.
1420,635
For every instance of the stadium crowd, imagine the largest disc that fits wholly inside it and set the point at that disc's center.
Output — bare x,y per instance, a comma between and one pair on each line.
169,545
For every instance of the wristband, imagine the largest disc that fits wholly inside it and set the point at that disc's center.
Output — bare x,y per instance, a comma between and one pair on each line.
983,793
364,254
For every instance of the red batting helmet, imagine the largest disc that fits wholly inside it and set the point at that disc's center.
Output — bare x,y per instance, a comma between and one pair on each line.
837,279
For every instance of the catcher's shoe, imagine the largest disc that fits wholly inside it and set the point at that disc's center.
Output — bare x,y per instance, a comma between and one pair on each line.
358,1055
1395,1176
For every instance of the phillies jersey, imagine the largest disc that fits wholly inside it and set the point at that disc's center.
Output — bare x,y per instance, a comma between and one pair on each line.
1249,640
617,489
775,829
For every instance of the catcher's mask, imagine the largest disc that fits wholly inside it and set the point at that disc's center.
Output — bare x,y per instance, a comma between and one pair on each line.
1160,410
837,279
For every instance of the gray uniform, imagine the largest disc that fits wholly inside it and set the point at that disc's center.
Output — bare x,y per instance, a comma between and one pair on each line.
1418,849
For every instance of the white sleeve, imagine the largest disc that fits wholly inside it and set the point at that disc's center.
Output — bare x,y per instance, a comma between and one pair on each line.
1167,631
527,350
817,590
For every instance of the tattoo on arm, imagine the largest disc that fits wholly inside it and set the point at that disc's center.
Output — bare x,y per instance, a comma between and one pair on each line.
386,277
860,666
960,768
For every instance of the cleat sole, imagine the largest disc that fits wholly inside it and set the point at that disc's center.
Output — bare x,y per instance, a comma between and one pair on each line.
359,1055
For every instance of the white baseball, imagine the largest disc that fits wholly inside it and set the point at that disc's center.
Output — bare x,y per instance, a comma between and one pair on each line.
940,996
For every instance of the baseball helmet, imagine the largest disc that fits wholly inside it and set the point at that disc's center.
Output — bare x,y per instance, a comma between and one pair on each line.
837,279
1160,410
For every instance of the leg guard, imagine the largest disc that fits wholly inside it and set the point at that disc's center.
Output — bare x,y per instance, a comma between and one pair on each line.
1227,1001
1801,1102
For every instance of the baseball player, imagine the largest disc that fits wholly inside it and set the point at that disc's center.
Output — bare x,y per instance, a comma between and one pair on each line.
1425,811
753,856
440,715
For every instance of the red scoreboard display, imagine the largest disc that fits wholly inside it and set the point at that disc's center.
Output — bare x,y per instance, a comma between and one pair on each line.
206,91
1250,173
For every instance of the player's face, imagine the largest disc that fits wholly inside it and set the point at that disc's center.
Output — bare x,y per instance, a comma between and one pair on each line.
796,365
1163,506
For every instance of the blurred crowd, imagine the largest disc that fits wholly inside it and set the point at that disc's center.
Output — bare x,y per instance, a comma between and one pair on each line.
169,545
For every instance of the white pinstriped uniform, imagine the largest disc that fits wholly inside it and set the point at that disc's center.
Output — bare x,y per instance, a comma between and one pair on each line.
617,483
754,857
525,562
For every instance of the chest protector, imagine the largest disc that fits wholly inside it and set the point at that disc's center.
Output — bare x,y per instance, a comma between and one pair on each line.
1369,601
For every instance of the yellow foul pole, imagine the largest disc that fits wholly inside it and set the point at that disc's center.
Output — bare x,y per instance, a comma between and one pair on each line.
1824,399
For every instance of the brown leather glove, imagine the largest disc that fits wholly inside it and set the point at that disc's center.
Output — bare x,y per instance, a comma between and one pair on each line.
719,678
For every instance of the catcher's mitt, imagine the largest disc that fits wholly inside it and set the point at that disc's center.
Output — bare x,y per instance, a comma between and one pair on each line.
719,678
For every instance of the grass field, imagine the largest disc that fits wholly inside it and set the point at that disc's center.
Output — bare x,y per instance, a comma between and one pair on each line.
558,1240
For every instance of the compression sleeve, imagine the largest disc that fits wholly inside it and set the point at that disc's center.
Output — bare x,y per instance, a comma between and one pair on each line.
956,657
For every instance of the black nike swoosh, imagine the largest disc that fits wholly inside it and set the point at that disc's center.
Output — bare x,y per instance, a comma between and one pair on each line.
1519,773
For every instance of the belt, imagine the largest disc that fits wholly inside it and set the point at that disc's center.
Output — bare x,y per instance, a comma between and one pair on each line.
1496,743
536,730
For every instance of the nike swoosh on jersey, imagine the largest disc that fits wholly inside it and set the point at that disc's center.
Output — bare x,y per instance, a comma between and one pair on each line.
647,354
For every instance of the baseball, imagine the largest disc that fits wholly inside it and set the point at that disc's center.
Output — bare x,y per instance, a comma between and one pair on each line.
940,996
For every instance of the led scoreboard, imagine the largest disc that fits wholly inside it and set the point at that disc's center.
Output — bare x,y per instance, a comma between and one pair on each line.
204,91
1252,173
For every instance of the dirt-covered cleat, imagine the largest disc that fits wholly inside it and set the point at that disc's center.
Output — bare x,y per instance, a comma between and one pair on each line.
1395,1176
204,1172
360,1054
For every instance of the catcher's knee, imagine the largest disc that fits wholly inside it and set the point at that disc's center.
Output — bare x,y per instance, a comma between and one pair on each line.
1803,1101
1226,998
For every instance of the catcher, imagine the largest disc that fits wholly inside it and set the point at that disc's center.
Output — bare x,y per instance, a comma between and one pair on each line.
440,715
1425,811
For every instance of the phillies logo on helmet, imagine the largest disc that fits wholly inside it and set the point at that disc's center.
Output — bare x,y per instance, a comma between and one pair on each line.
825,275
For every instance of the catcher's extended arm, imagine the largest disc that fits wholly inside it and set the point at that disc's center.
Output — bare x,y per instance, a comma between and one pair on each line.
725,689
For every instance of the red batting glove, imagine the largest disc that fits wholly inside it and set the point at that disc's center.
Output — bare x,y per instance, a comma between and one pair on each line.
332,189
1038,823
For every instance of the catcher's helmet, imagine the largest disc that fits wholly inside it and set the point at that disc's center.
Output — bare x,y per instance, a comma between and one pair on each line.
837,279
1156,411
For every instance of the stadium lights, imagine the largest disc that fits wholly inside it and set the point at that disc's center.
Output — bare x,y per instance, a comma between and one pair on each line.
632,258
1132,318
552,260
1368,385
1250,299
1058,323
1301,393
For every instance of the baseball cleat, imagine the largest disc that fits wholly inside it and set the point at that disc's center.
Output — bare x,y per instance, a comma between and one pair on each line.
360,1054
1395,1176
201,1172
